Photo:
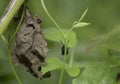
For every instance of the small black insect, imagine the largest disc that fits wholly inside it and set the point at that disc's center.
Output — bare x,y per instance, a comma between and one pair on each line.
63,50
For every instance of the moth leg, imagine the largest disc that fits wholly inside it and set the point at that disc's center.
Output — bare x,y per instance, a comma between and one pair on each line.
36,72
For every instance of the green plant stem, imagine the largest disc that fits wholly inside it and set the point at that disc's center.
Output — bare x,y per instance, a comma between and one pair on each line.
64,39
9,45
71,58
4,39
69,31
83,15
58,27
9,53
63,67
8,17
20,22
12,67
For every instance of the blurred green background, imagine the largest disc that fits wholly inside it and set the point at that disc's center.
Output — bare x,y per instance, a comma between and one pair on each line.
104,16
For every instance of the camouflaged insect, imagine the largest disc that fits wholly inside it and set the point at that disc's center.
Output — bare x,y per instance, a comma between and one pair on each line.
31,47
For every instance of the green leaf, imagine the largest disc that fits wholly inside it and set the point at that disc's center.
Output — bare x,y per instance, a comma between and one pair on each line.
52,63
72,40
83,15
54,35
73,71
97,73
80,24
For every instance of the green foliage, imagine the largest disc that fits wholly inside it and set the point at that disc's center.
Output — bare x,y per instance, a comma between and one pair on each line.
97,73
101,29
53,63
80,24
73,71
68,38
54,35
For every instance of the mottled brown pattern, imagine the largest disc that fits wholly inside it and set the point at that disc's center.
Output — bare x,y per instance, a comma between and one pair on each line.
31,47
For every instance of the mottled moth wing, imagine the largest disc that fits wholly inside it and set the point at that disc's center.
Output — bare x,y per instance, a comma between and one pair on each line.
31,47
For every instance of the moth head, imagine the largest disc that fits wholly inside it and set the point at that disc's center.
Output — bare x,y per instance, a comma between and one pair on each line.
37,19
30,20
